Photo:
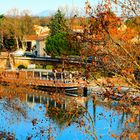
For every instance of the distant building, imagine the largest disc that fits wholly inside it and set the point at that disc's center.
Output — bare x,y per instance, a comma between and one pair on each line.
78,29
36,43
39,50
30,41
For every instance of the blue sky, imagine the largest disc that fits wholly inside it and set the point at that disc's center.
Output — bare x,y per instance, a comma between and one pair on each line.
37,6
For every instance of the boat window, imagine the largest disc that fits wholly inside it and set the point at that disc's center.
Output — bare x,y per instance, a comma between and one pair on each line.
36,74
50,75
44,75
58,75
37,99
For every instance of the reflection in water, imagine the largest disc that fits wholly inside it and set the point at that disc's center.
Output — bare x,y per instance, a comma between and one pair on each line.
27,113
60,108
94,112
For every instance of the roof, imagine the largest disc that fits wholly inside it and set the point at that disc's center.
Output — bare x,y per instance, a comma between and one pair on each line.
77,28
35,37
31,37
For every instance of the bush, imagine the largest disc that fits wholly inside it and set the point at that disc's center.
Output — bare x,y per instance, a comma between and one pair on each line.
21,67
49,67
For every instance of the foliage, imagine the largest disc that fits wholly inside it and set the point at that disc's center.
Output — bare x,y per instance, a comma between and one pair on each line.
57,23
14,28
49,67
61,41
63,117
114,44
57,44
21,67
134,23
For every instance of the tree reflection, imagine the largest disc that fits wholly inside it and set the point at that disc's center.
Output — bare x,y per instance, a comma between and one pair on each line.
64,114
60,111
6,135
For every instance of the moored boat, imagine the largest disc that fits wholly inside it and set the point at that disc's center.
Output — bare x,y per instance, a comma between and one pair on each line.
41,78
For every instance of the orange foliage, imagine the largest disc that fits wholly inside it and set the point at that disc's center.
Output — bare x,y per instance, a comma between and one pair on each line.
114,136
132,120
133,136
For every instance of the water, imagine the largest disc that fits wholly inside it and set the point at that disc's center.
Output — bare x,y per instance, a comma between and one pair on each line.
37,115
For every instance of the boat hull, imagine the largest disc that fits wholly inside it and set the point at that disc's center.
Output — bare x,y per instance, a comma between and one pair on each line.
23,78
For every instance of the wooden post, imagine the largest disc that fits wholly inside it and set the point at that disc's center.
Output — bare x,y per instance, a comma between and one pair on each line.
62,78
70,77
47,75
40,75
54,76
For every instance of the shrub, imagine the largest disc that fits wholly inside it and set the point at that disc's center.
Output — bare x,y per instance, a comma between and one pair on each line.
49,67
21,67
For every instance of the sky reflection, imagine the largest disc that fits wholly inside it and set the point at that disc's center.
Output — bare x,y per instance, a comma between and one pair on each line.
35,122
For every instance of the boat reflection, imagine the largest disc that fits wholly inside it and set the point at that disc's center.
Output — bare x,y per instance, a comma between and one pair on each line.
59,107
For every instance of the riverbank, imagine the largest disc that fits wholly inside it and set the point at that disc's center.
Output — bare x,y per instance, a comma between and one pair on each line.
115,81
115,89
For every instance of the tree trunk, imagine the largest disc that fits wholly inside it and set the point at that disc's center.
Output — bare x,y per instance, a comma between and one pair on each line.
17,42
23,43
2,43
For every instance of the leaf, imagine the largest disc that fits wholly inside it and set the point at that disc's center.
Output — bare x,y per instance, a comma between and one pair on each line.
132,136
132,120
114,136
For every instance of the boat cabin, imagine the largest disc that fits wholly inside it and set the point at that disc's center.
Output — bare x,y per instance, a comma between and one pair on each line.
40,77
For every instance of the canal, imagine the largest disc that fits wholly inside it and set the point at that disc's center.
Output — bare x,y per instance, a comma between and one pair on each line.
40,115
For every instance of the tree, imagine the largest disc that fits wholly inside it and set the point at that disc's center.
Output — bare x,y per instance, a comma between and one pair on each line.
110,41
57,44
7,41
1,33
18,26
57,23
61,39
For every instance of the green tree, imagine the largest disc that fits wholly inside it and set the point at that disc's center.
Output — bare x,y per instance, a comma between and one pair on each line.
57,23
57,44
61,41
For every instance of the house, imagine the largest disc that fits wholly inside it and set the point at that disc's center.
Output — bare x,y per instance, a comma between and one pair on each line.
40,31
39,50
36,43
30,41
78,29
43,33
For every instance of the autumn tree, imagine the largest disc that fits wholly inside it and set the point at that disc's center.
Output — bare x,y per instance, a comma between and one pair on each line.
112,39
7,41
113,43
2,32
18,26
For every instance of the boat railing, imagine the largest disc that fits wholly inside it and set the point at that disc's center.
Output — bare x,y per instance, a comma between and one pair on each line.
57,77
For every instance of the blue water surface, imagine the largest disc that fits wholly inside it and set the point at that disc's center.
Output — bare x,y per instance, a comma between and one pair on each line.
37,125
